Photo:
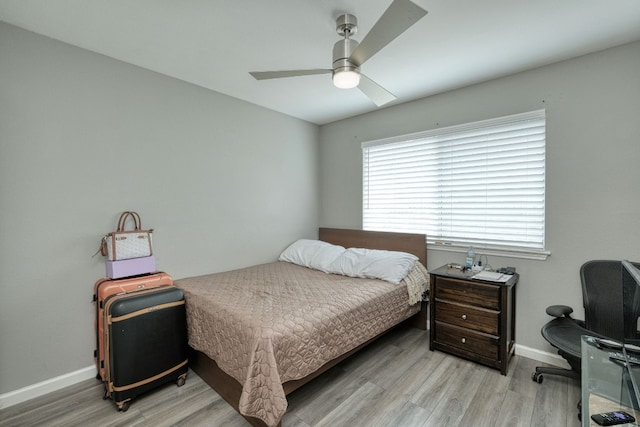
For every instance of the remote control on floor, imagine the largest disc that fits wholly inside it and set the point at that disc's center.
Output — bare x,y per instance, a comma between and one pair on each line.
612,418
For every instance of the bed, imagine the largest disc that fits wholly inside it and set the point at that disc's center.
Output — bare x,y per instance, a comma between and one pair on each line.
261,332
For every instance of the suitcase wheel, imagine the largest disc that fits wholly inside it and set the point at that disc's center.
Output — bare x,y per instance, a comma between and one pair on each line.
181,380
124,406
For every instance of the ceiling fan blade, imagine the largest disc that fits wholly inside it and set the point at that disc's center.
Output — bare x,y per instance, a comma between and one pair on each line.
374,91
400,15
264,75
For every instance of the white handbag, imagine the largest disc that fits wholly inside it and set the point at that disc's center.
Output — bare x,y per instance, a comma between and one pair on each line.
122,244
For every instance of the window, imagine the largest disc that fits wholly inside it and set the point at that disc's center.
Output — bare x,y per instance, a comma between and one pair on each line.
480,184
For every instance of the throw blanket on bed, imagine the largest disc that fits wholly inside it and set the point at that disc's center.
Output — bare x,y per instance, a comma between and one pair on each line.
268,324
417,283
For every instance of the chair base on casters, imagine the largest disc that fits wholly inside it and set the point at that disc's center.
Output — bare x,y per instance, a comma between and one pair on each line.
552,370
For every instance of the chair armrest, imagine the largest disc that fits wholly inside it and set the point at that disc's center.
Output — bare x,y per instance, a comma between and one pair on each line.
559,310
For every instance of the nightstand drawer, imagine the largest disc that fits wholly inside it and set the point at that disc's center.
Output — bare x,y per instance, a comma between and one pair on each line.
468,340
476,318
478,294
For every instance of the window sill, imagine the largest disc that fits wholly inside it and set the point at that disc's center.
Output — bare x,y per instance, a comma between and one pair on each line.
534,255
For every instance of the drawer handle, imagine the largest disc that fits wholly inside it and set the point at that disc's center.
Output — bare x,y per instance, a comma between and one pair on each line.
464,340
464,317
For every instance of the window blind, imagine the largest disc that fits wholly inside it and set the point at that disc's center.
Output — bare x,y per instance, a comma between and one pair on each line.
479,184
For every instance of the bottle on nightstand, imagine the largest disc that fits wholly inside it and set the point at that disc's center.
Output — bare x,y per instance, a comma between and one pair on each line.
471,256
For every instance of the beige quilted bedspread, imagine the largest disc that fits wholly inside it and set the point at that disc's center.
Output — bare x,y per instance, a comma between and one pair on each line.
268,324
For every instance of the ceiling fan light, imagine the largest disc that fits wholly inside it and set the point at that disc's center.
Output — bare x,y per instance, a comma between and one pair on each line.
346,79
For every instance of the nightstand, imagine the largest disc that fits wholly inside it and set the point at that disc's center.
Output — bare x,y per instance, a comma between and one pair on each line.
474,319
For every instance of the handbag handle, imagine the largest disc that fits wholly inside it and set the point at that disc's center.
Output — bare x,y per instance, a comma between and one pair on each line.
137,223
136,219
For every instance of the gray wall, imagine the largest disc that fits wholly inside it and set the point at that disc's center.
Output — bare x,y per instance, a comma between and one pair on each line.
226,184
83,137
593,167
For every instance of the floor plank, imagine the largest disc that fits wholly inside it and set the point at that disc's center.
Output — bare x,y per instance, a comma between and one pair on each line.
486,403
397,381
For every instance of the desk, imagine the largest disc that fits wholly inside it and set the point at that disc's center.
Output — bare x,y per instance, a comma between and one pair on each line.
606,383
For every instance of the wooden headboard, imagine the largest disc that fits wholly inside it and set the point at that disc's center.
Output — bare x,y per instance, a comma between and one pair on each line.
415,244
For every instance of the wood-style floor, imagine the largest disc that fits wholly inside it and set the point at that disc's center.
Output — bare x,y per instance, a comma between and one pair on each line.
396,381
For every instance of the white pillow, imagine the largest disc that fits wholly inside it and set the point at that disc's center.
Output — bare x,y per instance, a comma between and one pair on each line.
312,253
390,266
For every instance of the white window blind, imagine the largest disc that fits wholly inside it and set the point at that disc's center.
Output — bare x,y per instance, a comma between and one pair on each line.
479,184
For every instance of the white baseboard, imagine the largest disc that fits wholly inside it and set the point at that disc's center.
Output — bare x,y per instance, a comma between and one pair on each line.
541,356
30,392
36,390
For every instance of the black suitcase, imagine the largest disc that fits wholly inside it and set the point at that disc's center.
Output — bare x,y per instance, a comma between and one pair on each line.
105,288
146,342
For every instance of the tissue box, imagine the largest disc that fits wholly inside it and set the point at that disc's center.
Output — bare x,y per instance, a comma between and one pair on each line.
130,267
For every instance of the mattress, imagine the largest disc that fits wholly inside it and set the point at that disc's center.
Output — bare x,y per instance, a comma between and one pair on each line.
268,324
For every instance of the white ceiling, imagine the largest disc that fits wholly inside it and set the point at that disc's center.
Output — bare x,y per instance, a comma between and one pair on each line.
215,43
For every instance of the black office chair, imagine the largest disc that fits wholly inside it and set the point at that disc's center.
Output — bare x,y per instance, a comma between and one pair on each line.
602,300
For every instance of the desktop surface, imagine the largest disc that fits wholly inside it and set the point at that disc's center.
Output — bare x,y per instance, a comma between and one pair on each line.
608,380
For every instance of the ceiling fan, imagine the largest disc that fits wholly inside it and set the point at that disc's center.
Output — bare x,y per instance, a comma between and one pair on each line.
349,55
